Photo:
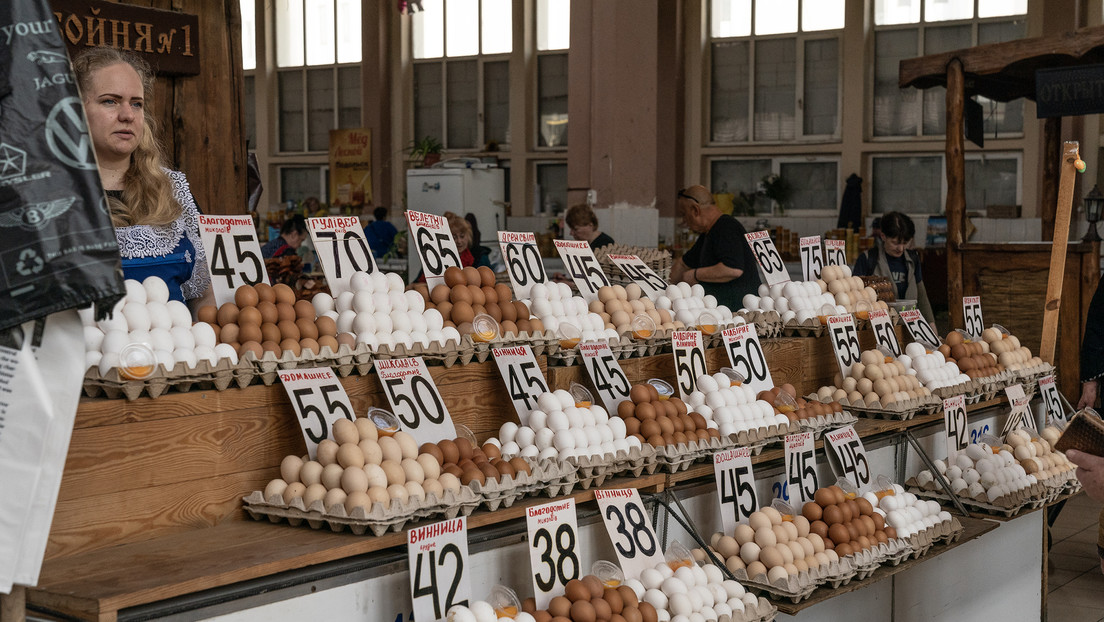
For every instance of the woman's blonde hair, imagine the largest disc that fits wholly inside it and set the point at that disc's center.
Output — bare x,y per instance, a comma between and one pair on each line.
147,191
458,226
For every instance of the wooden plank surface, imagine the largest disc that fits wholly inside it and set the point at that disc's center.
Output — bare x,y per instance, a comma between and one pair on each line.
1057,272
956,188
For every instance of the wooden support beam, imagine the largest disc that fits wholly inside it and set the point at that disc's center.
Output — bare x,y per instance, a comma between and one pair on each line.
1052,160
1057,274
956,188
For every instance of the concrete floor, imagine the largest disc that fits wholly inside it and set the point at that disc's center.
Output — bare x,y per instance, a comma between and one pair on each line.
1076,583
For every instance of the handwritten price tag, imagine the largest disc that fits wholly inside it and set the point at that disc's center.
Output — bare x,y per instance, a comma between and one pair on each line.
634,267
233,254
319,400
836,252
919,329
523,261
801,465
735,486
342,249
766,255
954,423
583,267
553,536
437,555
606,374
1020,415
629,529
745,355
433,241
845,342
1049,390
812,260
415,400
850,454
686,345
884,334
522,375
971,315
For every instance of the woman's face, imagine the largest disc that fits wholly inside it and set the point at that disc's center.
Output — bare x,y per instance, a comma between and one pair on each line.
114,106
895,247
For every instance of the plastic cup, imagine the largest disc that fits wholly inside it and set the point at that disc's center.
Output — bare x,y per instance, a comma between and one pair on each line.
582,395
570,335
463,431
385,421
735,378
678,556
504,601
608,573
663,387
707,322
642,326
484,328
136,361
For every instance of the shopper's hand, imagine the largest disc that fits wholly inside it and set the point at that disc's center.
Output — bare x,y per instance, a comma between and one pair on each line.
1090,471
1088,394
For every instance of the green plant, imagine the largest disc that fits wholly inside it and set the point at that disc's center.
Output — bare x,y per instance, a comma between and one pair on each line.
420,148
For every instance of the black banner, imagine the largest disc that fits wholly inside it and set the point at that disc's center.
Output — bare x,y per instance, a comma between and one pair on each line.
1069,91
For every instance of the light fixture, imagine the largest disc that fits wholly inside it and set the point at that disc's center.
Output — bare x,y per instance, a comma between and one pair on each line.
1094,205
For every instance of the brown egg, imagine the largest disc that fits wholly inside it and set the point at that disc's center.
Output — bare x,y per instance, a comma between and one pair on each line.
228,333
495,312
452,469
307,328
272,346
446,309
639,394
346,339
602,610
477,297
524,326
648,612
218,332
489,294
307,344
491,451
506,327
504,293
460,294
666,427
251,332
326,326
520,465
292,345
645,411
462,312
464,328
304,309
252,346
489,472
440,294
613,597
536,326
227,313
522,310
285,312
628,596
268,312
433,450
208,314
576,590
838,533
264,293
454,276
249,315
464,447
246,296
812,511
283,293
486,276
449,451
824,497
649,428
326,341
471,276
583,611
833,515
503,467
472,474
289,330
559,606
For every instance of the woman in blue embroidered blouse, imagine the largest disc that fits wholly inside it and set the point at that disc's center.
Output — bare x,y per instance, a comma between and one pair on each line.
156,219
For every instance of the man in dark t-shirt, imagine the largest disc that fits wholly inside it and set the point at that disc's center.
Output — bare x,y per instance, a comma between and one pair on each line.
721,259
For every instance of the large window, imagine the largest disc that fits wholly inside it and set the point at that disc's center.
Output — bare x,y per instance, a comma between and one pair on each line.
774,70
910,28
914,184
813,182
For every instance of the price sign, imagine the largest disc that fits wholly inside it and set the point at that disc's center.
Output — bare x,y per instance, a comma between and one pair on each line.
319,400
629,530
438,558
954,422
745,355
523,261
971,315
342,249
689,359
835,252
635,268
919,329
735,486
1049,390
523,378
233,254
583,267
978,431
432,238
801,466
884,334
1020,416
812,260
612,383
766,255
851,455
845,342
415,400
553,537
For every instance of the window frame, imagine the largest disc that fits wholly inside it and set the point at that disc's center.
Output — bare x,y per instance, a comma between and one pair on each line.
1017,155
481,133
776,168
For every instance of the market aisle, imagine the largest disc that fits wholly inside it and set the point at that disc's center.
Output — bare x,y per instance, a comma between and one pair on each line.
1076,584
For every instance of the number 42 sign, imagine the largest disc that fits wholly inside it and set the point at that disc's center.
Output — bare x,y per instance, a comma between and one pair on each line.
437,555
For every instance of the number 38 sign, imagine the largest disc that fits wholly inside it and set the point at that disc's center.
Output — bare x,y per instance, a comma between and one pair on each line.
629,529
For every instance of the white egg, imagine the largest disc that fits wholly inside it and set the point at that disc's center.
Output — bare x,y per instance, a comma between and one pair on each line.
93,338
433,319
360,281
368,339
186,356
113,341
362,323
395,282
384,325
345,320
398,301
204,335
108,361
183,339
451,334
323,302
161,339
136,315
166,360
403,337
420,337
483,611
156,290
205,353
226,351
344,301
379,281
414,302
178,312
400,321
135,291
538,419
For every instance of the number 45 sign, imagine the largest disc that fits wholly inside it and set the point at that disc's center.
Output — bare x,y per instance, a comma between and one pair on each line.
233,254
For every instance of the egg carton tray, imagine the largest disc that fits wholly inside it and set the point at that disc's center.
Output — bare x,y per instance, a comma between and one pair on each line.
435,354
817,425
344,362
560,478
678,457
376,522
767,323
592,471
502,493
660,341
1008,505
797,588
540,342
568,357
972,389
636,462
763,611
204,376
758,438
1032,375
809,328
898,411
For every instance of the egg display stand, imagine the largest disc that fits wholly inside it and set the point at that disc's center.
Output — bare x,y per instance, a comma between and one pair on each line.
758,438
908,410
539,342
559,478
635,462
817,425
181,377
1007,506
344,361
678,457
809,328
448,355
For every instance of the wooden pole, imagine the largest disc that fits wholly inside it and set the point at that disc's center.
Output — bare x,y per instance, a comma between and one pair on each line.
1057,273
956,188
1052,159
13,607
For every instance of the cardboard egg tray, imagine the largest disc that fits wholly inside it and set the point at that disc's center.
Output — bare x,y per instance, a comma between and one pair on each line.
503,492
797,588
377,521
972,389
758,438
559,478
344,362
435,354
1031,376
636,461
898,411
1008,505
540,342
678,457
660,341
763,611
809,328
182,378
592,471
767,323
817,425
621,348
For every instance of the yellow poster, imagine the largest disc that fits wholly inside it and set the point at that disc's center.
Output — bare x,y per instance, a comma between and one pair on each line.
351,167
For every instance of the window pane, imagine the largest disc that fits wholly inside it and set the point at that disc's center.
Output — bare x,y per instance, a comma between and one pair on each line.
320,32
462,27
896,110
996,8
298,183
1002,119
248,96
775,16
729,92
896,12
428,30
348,31
553,24
937,40
941,10
999,32
907,184
821,15
427,101
991,181
291,110
463,104
497,26
552,100
775,83
248,34
496,102
821,87
812,184
348,97
320,108
730,18
741,176
289,33
552,187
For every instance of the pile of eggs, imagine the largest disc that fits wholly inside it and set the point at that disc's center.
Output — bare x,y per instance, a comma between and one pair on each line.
265,318
471,463
768,545
934,371
730,407
378,312
661,421
972,357
1037,455
693,307
147,316
555,307
469,292
559,429
847,525
588,600
876,378
618,305
849,291
483,611
835,293
362,466
1010,353
691,592
907,513
980,473
802,408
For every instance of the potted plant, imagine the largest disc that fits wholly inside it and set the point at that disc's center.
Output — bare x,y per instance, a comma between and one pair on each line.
427,149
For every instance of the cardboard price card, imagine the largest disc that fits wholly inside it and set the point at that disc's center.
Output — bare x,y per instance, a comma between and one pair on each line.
919,329
735,486
438,558
415,400
801,466
884,335
954,424
342,249
971,316
1020,415
634,267
522,375
835,252
745,355
768,258
686,346
523,261
845,342
812,260
553,542
1049,390
582,266
432,238
630,530
851,455
606,374
233,254
319,400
